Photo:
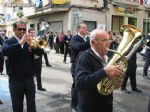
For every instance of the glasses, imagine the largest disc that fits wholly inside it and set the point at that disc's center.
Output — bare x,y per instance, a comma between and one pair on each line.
104,40
21,29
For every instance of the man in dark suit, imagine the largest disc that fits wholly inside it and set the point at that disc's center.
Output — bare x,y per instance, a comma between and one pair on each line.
90,70
37,63
131,73
79,42
67,49
20,68
3,37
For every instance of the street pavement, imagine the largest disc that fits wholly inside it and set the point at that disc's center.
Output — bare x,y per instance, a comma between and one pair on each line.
57,80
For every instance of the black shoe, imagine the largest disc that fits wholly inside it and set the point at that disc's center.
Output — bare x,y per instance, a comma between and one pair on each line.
137,90
146,77
1,102
42,89
49,65
125,91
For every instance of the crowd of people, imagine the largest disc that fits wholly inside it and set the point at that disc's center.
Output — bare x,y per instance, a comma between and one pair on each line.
88,57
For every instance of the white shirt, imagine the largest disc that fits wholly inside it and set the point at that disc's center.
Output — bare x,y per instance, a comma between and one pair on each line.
104,61
18,39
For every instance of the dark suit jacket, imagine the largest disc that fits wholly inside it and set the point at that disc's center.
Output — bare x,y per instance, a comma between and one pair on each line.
67,40
1,43
77,45
20,60
89,71
2,40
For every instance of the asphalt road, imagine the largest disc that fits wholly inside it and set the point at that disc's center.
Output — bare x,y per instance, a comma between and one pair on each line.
57,80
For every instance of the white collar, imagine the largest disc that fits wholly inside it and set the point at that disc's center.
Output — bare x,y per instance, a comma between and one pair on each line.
105,60
84,37
18,39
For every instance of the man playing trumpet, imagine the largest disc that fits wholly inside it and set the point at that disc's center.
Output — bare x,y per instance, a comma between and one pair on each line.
20,68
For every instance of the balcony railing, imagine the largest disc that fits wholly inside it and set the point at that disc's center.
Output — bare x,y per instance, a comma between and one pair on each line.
51,5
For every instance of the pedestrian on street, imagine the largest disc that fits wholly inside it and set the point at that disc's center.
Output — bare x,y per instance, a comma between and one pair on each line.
20,68
3,37
90,71
67,48
147,58
131,73
79,43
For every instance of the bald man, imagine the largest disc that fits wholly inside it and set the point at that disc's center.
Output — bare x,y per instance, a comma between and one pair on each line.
90,70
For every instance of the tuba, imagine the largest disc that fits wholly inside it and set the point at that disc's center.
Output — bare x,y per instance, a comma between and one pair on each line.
132,39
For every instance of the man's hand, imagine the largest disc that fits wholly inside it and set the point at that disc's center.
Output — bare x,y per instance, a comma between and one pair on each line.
113,71
24,39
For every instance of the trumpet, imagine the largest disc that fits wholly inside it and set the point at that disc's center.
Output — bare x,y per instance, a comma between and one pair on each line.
40,43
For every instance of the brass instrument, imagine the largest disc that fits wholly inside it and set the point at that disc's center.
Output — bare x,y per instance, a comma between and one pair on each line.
40,43
132,39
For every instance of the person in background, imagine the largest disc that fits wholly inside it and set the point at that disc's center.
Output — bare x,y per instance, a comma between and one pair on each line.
67,49
50,39
147,58
79,43
113,44
90,70
20,68
131,73
3,37
56,42
61,42
37,63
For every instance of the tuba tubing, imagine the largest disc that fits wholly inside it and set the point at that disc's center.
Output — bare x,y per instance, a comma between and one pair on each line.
132,39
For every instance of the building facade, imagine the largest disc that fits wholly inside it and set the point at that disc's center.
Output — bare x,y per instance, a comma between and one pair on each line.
63,15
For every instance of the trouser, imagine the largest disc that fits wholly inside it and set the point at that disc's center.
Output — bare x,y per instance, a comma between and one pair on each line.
132,74
149,106
74,92
17,92
1,63
46,58
146,66
67,50
38,71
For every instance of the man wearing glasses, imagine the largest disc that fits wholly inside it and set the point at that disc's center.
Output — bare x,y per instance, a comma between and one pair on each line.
20,68
90,70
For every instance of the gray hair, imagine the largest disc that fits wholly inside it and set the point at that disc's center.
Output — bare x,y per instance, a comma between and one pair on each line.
93,34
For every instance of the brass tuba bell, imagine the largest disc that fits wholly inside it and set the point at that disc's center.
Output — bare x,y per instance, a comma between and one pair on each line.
132,39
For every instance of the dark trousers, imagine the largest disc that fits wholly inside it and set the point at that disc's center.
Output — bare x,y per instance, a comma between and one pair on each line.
38,71
74,92
146,66
131,72
46,58
67,51
1,63
149,106
17,92
61,47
